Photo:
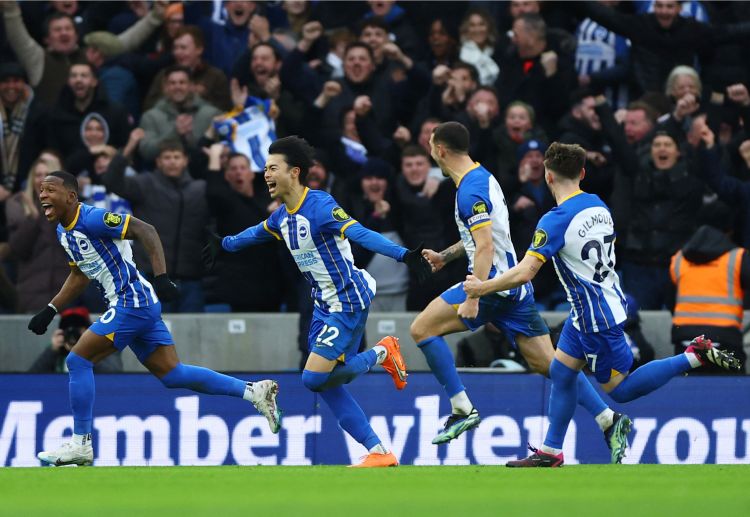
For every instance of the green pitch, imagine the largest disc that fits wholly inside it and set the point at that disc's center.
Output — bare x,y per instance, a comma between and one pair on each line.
603,490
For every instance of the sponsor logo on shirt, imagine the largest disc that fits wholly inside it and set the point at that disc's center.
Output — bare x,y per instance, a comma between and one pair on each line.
480,217
112,220
539,239
340,214
480,207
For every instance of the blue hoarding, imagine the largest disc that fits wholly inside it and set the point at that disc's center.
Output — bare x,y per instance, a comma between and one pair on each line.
139,422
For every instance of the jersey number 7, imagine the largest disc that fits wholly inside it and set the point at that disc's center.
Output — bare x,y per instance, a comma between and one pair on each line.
600,275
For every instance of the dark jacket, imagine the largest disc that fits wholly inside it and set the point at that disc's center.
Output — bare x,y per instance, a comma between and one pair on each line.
176,207
731,190
33,140
598,180
505,152
65,121
656,51
525,80
249,280
42,265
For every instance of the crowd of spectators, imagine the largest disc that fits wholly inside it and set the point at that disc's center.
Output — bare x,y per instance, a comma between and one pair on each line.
166,110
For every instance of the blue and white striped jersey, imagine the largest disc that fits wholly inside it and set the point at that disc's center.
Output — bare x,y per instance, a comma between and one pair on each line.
314,233
95,243
579,236
598,48
480,202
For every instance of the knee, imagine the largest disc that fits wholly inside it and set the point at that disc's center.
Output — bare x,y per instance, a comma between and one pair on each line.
540,367
314,381
76,362
418,330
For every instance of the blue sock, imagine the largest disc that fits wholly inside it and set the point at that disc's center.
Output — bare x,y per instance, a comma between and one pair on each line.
350,416
562,402
81,373
442,364
203,380
649,377
588,396
354,367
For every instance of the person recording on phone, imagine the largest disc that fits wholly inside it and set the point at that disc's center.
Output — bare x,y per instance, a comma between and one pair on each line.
73,323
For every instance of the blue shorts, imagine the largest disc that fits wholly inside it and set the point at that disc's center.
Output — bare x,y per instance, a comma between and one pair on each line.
607,352
336,335
140,328
511,316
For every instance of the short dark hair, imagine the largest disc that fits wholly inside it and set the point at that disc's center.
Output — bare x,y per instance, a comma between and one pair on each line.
195,32
69,181
297,153
265,44
83,62
414,150
359,44
566,160
646,108
452,135
376,21
171,144
57,15
177,68
473,72
235,154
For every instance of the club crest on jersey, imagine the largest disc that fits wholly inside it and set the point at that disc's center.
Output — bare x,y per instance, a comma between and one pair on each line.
303,232
480,207
340,214
112,220
539,239
83,244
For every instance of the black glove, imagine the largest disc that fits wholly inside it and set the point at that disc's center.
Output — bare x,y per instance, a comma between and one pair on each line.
40,322
211,251
166,290
417,264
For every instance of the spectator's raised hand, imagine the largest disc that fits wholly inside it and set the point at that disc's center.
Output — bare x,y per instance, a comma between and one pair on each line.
549,62
706,135
745,152
239,94
596,158
273,87
522,203
362,105
214,156
330,90
686,105
440,75
260,29
430,188
402,136
159,8
738,93
183,124
311,31
136,135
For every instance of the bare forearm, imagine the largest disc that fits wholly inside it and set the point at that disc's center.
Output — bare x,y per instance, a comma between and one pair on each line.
453,252
511,279
152,244
73,287
482,262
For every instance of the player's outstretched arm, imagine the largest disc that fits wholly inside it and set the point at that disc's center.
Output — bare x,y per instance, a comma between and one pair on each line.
438,260
146,234
518,275
376,243
73,287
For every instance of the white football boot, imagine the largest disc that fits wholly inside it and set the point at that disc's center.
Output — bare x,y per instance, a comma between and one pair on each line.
264,399
69,454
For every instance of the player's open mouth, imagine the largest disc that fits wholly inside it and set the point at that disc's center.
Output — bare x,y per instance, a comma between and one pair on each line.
271,185
48,209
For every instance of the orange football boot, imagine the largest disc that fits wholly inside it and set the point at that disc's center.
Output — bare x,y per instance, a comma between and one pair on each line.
394,362
376,459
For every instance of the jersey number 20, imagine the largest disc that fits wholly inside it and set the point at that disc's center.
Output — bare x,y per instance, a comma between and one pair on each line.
599,275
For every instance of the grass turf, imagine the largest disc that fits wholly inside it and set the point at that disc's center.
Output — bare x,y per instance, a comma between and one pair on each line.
638,490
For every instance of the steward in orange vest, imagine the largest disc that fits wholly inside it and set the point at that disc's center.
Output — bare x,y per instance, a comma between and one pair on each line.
710,274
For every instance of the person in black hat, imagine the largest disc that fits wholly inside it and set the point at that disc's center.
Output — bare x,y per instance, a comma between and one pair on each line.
374,208
23,122
73,322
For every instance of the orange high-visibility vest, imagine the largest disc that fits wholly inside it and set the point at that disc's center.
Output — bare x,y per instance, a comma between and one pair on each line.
708,294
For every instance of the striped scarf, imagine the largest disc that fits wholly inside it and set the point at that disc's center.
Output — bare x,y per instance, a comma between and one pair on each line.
11,129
